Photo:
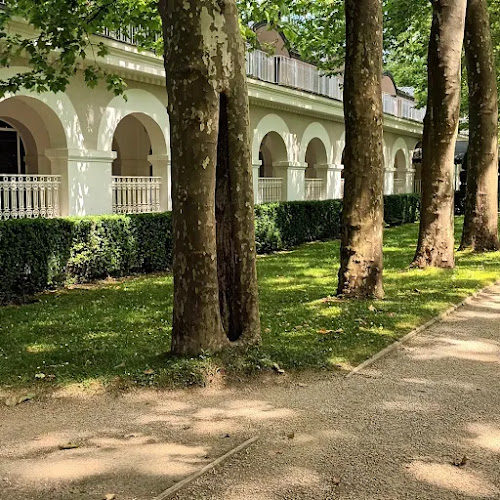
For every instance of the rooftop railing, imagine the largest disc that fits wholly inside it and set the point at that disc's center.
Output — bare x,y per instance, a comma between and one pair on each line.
303,76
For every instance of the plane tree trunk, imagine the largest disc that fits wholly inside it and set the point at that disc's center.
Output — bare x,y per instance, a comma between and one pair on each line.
481,208
215,283
361,261
436,237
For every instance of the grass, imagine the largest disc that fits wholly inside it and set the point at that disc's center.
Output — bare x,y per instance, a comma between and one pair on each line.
119,331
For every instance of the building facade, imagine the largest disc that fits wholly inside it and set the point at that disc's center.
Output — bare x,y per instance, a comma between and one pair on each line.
87,152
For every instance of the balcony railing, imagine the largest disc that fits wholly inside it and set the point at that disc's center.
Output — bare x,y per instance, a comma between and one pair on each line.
270,189
261,66
29,196
136,195
128,35
303,76
314,189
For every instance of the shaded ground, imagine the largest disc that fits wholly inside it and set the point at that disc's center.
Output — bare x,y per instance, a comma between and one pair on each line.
392,432
121,329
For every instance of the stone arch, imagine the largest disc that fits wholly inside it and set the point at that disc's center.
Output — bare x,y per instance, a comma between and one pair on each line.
400,169
134,146
272,151
44,126
316,154
272,124
316,131
56,112
400,146
147,109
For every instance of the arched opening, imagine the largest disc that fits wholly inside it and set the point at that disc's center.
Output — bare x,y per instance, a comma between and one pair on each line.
316,171
12,150
137,179
400,172
417,165
315,155
132,145
29,182
272,153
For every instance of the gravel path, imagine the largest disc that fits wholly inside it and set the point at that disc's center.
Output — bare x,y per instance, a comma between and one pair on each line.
391,432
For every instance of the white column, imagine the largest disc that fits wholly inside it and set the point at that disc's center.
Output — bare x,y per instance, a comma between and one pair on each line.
331,175
389,180
410,180
294,179
162,167
85,180
256,174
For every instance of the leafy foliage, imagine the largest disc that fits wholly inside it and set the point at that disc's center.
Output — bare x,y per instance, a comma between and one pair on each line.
64,40
407,30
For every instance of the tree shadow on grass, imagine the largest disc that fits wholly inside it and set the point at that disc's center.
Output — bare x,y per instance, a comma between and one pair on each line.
123,328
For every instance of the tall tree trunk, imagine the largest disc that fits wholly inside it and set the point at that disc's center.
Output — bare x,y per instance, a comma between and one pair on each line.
481,209
215,279
361,263
436,239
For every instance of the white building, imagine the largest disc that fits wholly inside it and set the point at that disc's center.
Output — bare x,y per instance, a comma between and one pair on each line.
86,152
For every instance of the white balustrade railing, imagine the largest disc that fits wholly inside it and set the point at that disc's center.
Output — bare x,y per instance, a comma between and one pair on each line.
136,195
314,189
417,186
270,189
29,196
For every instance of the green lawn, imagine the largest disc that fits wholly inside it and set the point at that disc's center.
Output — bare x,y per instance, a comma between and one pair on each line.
119,330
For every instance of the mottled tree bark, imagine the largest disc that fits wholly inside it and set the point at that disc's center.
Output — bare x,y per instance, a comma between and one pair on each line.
360,273
436,239
215,283
481,208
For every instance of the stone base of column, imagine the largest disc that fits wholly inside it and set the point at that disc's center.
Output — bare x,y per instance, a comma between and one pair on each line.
294,176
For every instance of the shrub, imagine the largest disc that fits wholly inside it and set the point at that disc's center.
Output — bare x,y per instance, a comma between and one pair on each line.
37,254
290,223
33,255
401,209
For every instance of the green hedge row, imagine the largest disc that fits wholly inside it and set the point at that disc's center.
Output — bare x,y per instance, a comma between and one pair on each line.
37,254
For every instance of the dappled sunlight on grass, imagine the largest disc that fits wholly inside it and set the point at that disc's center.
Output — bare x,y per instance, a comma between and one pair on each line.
122,329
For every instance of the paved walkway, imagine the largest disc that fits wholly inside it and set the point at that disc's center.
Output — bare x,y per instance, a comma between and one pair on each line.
391,432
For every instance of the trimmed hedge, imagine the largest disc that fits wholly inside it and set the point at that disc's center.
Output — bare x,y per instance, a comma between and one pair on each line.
38,254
